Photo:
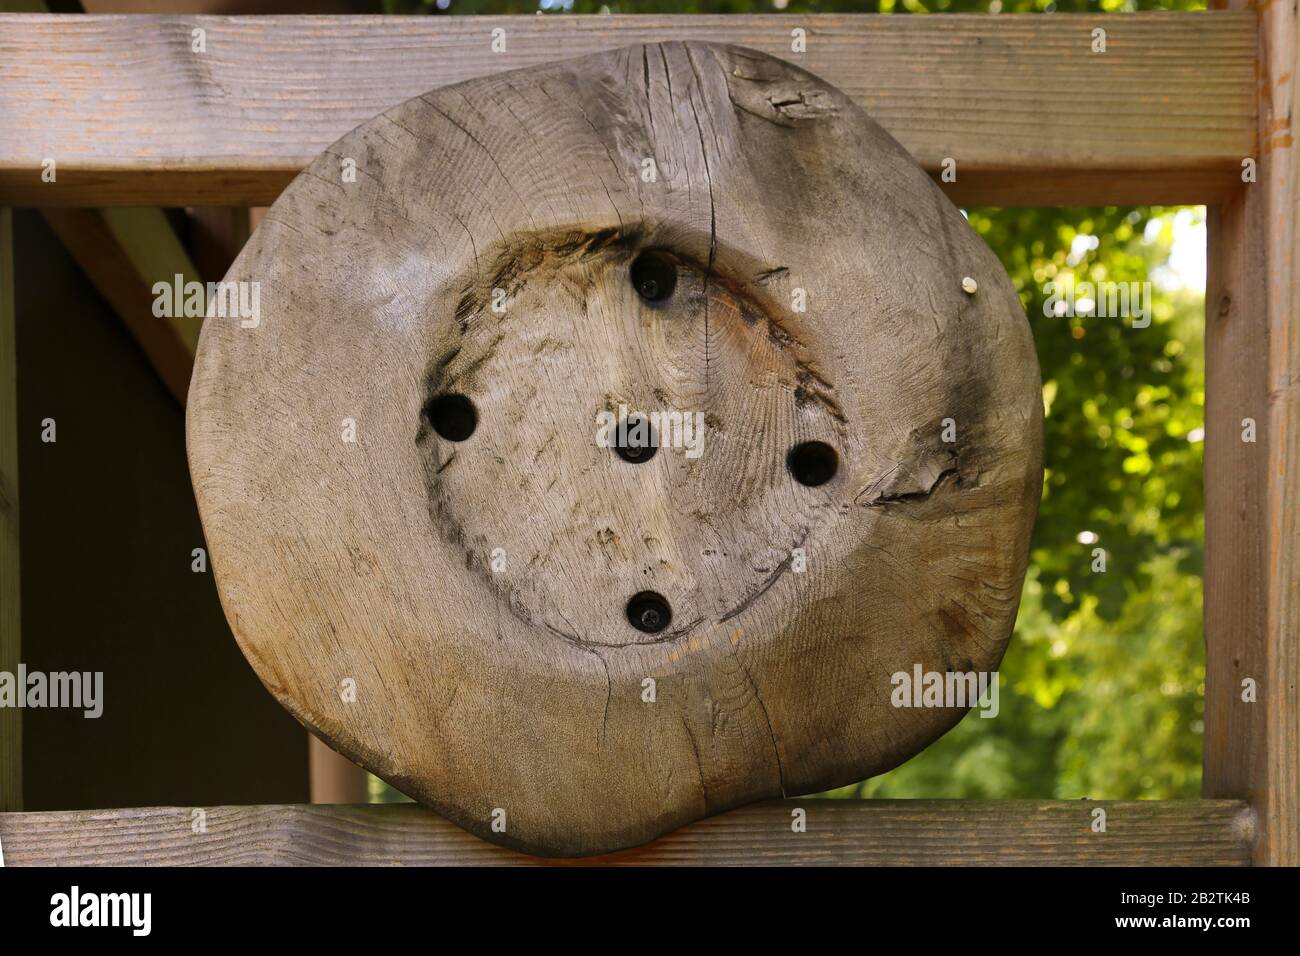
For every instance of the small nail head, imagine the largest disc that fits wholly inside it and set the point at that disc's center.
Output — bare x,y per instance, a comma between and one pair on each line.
969,285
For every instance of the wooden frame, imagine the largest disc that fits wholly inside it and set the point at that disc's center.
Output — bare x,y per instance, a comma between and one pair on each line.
860,833
984,90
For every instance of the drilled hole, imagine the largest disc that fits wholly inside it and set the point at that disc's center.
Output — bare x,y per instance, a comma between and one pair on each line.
649,612
635,440
452,416
654,276
812,463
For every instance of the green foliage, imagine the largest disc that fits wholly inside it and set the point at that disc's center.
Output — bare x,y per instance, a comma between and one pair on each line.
1120,402
1103,683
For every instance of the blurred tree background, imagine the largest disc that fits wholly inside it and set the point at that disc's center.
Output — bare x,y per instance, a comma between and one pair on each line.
1102,686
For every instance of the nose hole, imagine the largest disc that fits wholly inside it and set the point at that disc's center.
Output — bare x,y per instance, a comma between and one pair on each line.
812,463
635,441
649,612
654,276
452,416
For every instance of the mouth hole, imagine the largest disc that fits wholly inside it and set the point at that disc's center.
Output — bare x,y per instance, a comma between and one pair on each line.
452,416
654,276
649,612
635,441
812,463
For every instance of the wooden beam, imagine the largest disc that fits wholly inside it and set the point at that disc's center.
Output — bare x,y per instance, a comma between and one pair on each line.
123,252
11,726
845,832
1252,489
1279,807
1030,114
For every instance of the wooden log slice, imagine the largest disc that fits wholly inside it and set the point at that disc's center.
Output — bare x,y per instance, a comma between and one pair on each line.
433,563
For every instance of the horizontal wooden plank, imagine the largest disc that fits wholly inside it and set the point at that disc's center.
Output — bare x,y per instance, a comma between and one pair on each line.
848,832
1031,115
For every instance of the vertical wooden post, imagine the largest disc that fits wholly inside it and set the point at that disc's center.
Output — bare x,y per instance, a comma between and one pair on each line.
1252,490
11,728
334,778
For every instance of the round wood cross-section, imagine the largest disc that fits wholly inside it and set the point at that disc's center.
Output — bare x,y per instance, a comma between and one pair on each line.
608,436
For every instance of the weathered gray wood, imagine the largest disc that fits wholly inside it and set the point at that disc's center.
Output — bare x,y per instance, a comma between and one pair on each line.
839,832
1252,490
522,688
1236,483
11,726
134,117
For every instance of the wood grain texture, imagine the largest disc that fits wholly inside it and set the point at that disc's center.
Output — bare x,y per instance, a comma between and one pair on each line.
1253,490
1029,113
1236,485
123,252
11,727
1278,776
839,832
520,688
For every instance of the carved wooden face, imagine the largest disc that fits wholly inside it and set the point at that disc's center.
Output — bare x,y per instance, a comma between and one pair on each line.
441,553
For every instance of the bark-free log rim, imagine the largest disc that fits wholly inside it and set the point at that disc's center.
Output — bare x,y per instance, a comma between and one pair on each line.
441,612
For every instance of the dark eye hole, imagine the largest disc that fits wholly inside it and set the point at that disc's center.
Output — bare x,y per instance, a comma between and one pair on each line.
635,440
654,276
649,612
812,463
452,416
